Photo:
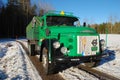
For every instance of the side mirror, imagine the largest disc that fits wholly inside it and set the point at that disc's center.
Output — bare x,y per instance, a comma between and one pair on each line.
47,32
84,24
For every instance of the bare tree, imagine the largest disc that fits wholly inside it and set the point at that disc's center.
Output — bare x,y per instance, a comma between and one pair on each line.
112,19
1,4
43,7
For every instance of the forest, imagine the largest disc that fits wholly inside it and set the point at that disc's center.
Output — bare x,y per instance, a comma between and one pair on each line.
107,28
15,15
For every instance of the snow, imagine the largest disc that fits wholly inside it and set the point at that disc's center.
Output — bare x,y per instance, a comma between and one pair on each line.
113,40
15,64
76,74
111,63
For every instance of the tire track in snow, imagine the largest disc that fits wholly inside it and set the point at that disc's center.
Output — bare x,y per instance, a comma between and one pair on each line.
38,65
31,67
76,74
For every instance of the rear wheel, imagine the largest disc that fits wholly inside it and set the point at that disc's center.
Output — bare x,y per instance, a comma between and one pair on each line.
31,48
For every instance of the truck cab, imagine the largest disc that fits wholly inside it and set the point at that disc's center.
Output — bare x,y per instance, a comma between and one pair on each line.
59,38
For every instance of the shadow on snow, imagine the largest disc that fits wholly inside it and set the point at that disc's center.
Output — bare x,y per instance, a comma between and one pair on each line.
109,56
3,75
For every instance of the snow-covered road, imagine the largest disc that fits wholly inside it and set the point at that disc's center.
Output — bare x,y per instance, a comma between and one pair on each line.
15,65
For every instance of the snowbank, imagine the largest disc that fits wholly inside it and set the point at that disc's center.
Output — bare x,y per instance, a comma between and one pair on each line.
14,63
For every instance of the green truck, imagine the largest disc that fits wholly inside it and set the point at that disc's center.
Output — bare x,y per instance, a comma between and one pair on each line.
59,38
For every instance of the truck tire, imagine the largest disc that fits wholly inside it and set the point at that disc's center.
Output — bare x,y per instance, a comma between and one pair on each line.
92,64
48,67
31,48
97,63
89,64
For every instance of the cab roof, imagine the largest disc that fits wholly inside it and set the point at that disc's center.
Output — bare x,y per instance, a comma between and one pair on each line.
59,13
